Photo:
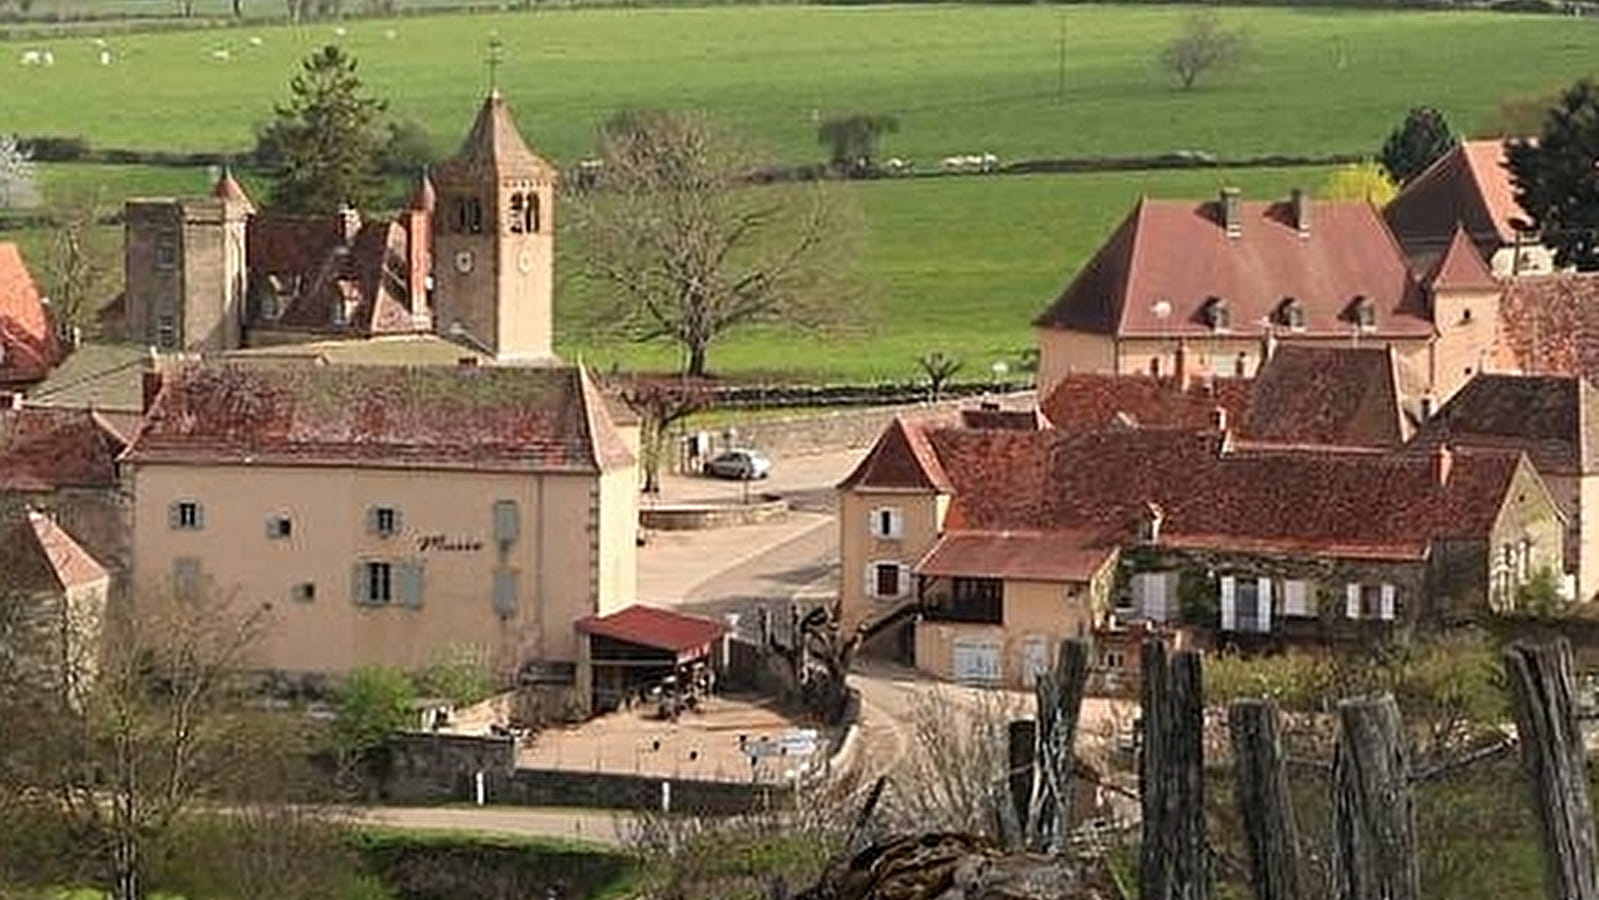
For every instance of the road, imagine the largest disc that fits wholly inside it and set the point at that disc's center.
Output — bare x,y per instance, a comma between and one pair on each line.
596,826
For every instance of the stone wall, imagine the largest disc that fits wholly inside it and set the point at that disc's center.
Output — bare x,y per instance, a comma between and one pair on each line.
440,768
832,430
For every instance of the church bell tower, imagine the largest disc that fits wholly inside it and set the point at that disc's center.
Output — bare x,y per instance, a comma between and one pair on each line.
494,241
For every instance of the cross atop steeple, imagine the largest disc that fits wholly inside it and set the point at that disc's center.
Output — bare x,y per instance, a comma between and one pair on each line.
495,57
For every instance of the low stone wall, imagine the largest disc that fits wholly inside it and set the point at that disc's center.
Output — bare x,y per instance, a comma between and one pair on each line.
613,790
837,429
697,516
440,768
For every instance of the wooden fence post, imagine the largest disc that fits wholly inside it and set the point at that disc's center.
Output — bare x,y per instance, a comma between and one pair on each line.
1374,837
1060,705
1172,857
1021,747
1261,787
1541,694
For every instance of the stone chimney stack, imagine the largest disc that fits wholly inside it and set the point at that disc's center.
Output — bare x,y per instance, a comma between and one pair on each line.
1443,460
1301,203
1232,214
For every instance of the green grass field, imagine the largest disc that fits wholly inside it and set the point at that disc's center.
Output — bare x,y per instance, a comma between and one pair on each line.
960,265
962,79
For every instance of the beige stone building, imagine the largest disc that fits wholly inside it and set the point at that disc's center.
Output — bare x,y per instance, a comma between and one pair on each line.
1217,285
470,259
386,514
66,591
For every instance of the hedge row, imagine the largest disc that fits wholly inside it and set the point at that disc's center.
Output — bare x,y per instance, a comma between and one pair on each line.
419,866
877,394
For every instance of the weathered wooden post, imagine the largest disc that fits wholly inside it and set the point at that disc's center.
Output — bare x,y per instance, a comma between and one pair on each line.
1374,836
1021,746
1060,703
1552,752
1261,786
1172,857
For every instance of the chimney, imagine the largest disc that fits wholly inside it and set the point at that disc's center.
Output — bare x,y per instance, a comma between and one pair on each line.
349,222
152,380
1443,460
1232,216
1268,347
1180,367
1301,203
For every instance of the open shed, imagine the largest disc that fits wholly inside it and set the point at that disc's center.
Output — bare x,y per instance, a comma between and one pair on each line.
638,647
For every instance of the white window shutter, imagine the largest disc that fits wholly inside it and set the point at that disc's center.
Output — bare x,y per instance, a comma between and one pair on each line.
904,580
409,575
1229,601
1352,601
1387,608
896,524
1263,605
358,584
871,579
1155,597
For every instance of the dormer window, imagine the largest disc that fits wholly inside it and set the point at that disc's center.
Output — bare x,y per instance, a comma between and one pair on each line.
1217,315
1364,313
1292,314
1149,523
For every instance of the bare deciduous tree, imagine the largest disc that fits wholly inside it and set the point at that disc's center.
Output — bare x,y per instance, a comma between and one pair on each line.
690,249
1201,45
660,403
939,369
83,259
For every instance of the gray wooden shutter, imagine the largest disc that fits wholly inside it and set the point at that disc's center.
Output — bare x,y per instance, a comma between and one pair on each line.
272,528
507,524
199,516
409,576
358,584
399,522
175,515
371,520
505,590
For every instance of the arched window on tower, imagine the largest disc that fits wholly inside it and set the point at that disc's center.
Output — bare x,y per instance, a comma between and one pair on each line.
460,215
518,213
474,216
533,213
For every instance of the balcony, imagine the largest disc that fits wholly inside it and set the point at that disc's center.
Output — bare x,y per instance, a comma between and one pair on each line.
964,600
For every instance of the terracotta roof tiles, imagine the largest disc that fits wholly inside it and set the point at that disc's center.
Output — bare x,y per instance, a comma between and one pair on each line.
1461,267
44,449
651,627
1018,555
1549,324
462,417
1468,187
28,345
36,554
494,142
1540,415
1337,396
1170,262
902,458
1083,401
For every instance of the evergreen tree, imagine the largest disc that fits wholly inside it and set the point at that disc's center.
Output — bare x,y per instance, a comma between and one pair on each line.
1556,180
1416,143
326,143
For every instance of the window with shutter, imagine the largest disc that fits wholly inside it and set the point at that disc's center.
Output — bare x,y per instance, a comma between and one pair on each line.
376,583
304,592
279,528
1263,605
186,515
887,580
1229,603
1386,602
1352,601
505,591
507,522
383,521
887,523
408,587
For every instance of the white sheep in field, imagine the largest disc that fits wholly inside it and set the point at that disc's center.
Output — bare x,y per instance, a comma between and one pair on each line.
989,162
99,42
256,42
896,166
31,58
391,34
105,57
221,55
341,31
47,57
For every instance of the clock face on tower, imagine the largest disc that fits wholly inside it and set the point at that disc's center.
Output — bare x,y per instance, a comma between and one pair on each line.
463,261
524,261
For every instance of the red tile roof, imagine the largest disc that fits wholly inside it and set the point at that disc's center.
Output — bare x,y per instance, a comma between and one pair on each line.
43,449
36,554
1341,502
309,264
1169,261
1549,324
1461,267
1085,401
1017,555
1551,418
1467,187
651,627
902,458
1014,419
495,143
461,417
228,188
28,345
1338,396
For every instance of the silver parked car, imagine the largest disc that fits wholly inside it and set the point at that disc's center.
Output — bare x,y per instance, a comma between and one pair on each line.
740,465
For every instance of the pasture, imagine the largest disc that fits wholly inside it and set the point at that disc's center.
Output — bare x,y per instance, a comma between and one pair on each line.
961,79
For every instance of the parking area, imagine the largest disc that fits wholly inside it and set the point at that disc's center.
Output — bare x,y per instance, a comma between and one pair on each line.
717,742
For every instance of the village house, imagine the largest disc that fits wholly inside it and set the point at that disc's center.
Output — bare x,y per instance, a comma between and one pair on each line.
63,462
1554,419
1469,187
471,259
65,589
28,345
1224,282
385,514
1008,540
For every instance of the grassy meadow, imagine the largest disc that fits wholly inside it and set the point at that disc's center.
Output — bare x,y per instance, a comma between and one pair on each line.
961,79
957,264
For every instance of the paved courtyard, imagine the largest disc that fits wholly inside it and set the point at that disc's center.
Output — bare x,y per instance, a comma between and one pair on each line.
710,744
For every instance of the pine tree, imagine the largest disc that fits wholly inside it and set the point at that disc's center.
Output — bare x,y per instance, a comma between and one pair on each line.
326,143
1557,177
1416,143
